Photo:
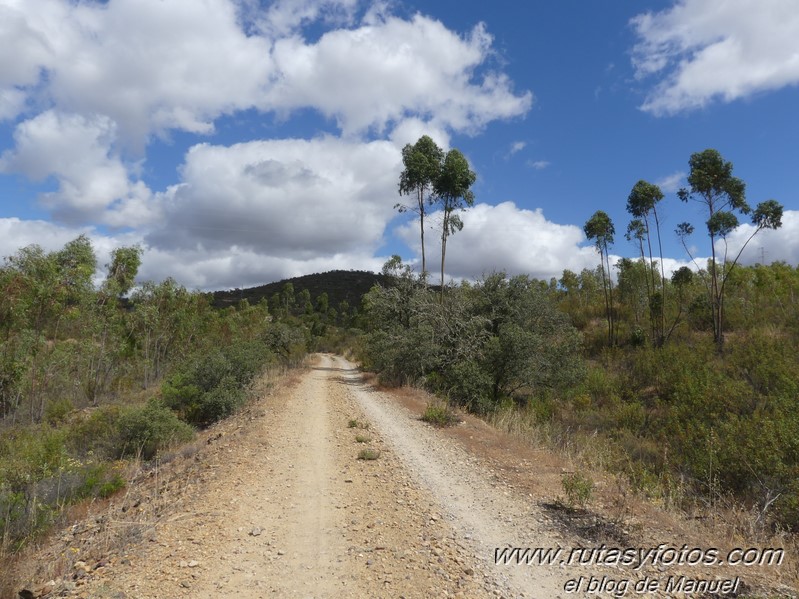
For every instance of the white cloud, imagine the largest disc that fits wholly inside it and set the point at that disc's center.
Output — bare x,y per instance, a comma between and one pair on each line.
375,75
706,50
93,183
148,65
110,75
506,237
284,17
294,199
515,148
408,131
539,165
12,102
775,245
671,183
16,234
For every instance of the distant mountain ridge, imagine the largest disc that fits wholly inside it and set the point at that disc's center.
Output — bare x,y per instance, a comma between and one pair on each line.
340,285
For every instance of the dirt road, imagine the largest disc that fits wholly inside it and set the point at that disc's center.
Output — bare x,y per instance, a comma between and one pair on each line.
278,504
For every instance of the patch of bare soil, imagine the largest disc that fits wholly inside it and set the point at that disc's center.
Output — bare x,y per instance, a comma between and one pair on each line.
276,502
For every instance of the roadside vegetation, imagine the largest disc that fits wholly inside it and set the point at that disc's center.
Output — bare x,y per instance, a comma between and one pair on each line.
687,384
96,376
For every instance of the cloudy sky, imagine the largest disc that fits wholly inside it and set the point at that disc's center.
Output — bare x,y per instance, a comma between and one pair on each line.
244,141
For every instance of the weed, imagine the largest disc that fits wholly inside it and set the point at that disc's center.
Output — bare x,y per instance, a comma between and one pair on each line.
369,454
362,439
579,489
354,423
439,413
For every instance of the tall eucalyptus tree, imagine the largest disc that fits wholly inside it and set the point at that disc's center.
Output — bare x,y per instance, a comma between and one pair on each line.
423,161
713,185
600,229
453,193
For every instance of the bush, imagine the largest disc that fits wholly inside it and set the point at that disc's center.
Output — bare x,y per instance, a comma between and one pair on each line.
180,394
101,480
368,454
211,387
439,413
95,433
579,489
219,403
56,410
149,430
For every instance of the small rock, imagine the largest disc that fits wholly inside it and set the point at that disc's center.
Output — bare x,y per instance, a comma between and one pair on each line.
255,532
193,563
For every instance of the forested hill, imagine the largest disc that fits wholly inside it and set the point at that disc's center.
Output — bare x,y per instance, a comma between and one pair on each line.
340,285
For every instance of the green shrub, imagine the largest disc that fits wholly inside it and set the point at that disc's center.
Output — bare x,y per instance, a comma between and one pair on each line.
439,413
180,394
95,433
368,454
470,384
579,489
31,454
56,410
219,403
101,480
245,360
148,430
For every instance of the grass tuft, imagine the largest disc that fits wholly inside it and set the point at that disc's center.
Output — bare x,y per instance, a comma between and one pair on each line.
439,413
369,454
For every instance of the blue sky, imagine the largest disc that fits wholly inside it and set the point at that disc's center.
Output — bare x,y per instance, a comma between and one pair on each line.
242,141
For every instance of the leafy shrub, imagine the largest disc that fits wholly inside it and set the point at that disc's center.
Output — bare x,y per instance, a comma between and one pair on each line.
245,360
579,489
148,430
211,387
219,403
439,413
56,410
101,480
95,433
31,454
181,394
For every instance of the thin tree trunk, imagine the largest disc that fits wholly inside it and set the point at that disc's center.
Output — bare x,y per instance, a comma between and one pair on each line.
662,282
421,233
651,269
443,255
613,324
607,302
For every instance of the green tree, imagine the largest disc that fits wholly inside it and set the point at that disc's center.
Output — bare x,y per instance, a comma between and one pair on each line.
125,263
423,161
453,193
713,185
642,204
287,298
600,229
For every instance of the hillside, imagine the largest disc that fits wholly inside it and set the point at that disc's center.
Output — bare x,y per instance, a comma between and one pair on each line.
340,285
